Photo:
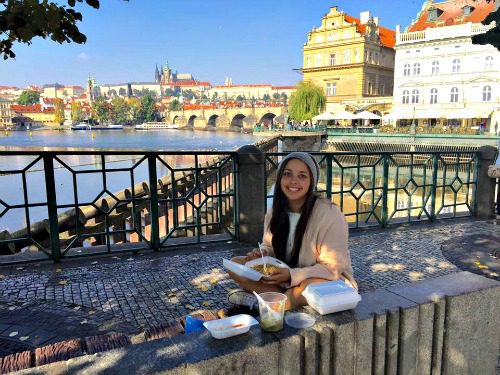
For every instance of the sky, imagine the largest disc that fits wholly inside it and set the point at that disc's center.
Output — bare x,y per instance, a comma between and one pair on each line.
251,41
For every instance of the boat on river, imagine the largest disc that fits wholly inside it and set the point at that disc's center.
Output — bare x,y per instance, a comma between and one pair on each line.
85,126
155,126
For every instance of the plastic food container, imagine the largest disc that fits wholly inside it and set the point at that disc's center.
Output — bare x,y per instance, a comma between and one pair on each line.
249,273
232,326
332,296
299,320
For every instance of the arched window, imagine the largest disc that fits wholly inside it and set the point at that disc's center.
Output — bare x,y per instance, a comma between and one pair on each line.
407,70
486,93
456,66
414,96
435,67
488,63
406,97
416,69
434,96
454,95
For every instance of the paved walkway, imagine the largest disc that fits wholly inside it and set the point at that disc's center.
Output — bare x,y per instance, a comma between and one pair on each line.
44,302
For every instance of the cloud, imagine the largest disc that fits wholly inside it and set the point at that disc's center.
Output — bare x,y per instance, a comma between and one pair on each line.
83,56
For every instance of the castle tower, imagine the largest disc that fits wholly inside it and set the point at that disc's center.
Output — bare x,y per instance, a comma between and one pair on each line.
166,74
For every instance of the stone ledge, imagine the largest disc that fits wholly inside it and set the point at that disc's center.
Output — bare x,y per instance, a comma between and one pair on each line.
391,330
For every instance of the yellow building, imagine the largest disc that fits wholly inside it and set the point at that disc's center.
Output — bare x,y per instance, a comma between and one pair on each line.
5,114
352,58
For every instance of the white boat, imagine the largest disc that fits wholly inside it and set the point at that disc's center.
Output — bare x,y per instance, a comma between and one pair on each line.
85,126
155,126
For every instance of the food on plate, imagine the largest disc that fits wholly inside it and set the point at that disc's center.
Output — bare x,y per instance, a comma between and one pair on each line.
260,268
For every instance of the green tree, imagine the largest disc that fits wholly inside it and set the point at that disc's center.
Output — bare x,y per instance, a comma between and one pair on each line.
120,110
175,105
101,110
276,96
122,92
135,110
307,101
76,112
58,111
169,92
188,94
21,21
240,98
266,97
492,36
148,107
28,97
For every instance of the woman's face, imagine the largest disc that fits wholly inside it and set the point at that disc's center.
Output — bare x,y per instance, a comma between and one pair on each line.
295,183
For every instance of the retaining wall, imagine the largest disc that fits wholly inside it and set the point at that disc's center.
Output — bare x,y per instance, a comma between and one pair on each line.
447,325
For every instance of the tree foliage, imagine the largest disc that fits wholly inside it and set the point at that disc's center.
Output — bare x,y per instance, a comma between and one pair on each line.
28,97
175,105
58,111
307,101
148,108
101,109
76,112
120,110
492,36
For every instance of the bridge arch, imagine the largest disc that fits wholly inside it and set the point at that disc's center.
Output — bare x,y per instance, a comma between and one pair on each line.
212,121
190,123
178,119
237,121
267,118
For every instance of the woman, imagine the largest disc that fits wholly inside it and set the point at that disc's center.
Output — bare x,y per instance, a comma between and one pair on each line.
307,232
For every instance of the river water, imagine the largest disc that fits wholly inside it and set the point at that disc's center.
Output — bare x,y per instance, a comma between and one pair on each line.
90,185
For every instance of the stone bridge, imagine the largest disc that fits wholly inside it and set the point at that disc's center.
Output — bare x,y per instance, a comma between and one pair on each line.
227,118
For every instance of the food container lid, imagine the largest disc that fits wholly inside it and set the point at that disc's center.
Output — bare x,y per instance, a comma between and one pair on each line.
241,270
331,292
269,260
299,320
232,326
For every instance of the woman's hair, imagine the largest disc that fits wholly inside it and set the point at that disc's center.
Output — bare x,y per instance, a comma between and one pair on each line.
280,224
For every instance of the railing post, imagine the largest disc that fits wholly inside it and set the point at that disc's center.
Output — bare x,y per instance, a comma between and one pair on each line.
434,186
153,208
50,187
385,187
329,176
484,206
251,193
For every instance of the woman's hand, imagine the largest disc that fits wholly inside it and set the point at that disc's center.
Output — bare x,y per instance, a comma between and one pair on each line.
255,253
280,275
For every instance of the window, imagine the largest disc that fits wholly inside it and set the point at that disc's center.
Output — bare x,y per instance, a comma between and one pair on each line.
406,70
308,62
332,59
382,89
406,97
486,93
456,66
434,96
416,69
454,95
370,87
331,89
414,96
346,56
435,67
318,60
488,63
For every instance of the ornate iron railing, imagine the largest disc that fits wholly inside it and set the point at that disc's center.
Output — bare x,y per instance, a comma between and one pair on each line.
378,189
87,202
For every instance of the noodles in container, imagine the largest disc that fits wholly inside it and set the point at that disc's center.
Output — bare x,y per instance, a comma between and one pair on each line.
271,264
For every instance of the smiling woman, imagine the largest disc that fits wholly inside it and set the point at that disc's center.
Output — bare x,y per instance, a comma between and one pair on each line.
304,231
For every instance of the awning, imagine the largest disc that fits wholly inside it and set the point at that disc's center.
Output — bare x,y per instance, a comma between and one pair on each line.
366,115
428,113
343,115
324,116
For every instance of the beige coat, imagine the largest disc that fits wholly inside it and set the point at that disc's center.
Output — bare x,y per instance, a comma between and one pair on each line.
324,253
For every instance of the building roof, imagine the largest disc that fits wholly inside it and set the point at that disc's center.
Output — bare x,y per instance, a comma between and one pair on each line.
387,36
30,108
237,86
451,12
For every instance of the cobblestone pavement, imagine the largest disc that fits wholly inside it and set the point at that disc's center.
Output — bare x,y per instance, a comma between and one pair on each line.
44,303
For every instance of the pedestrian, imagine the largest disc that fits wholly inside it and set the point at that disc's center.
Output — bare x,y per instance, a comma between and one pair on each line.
305,231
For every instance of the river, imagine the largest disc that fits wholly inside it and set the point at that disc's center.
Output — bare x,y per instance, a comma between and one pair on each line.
90,185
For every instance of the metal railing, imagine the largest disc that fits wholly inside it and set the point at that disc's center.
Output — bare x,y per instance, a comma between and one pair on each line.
378,189
73,203
88,202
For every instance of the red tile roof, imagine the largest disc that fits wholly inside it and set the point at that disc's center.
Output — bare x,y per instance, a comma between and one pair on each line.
30,108
283,87
387,36
453,13
234,86
191,83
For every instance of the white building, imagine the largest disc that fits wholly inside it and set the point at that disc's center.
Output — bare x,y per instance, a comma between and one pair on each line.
440,77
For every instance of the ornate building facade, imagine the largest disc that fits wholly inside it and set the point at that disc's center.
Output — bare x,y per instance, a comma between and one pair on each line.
441,78
351,58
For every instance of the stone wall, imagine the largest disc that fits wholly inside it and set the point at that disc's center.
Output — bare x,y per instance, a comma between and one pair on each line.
446,325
